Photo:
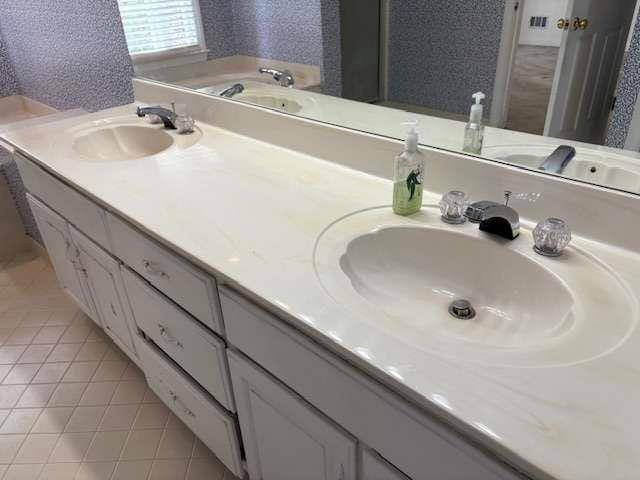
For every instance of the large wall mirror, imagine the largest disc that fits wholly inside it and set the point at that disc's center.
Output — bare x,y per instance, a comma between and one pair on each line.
559,77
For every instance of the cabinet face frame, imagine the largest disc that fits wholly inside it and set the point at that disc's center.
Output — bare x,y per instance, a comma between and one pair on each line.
252,385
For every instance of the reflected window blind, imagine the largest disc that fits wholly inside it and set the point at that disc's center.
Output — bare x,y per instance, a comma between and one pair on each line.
152,26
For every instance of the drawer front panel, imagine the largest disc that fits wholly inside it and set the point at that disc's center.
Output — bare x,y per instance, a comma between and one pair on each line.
77,209
199,352
212,424
188,286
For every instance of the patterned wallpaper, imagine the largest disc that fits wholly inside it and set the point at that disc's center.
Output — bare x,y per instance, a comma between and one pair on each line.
331,47
217,24
8,83
442,51
68,53
627,94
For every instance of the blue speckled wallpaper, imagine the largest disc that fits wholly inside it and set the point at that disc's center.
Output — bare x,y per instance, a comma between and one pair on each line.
68,53
279,29
8,83
430,43
217,24
627,94
331,47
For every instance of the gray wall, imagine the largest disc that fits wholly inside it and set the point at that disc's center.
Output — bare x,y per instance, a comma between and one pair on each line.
8,83
627,94
68,53
442,51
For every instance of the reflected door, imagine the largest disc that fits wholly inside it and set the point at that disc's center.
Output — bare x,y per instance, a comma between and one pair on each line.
588,67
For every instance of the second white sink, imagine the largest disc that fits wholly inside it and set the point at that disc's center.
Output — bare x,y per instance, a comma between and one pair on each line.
401,275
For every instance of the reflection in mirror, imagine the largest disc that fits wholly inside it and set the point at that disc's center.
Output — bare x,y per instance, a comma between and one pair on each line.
559,76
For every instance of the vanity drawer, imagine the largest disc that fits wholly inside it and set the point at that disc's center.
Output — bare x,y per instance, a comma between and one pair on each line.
212,424
188,286
199,352
77,209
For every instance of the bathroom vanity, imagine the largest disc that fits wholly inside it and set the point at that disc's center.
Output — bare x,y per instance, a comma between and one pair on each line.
214,263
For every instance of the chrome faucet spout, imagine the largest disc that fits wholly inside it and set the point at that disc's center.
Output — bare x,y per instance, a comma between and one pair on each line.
283,77
558,160
232,91
167,116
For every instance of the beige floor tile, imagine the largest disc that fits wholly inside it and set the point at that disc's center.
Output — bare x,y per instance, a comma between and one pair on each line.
67,394
35,318
9,446
11,353
98,393
21,374
168,469
92,351
62,317
150,397
49,334
119,417
11,319
64,352
22,336
36,353
4,370
71,447
205,469
95,471
110,371
129,392
20,420
200,450
85,419
59,471
174,423
10,394
50,373
80,372
23,472
36,448
132,470
133,373
106,446
97,335
115,354
142,444
36,395
151,416
176,444
52,420
75,334
5,333
4,413
3,468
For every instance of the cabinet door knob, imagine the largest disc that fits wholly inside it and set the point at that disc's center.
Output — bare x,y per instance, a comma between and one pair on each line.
153,270
167,337
563,24
180,404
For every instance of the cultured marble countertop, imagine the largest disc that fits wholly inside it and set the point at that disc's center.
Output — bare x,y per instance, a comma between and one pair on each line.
251,212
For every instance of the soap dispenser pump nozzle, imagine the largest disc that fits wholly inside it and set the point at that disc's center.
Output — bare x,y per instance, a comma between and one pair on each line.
411,142
477,109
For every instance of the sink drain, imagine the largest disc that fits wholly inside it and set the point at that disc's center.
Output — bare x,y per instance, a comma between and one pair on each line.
462,310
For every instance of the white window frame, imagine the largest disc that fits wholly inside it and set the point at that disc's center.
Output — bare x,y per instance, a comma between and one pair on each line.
175,56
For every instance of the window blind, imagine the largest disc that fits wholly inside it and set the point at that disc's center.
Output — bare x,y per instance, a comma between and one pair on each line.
152,26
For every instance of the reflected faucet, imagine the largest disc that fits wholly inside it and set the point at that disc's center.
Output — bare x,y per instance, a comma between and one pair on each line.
232,91
558,160
284,78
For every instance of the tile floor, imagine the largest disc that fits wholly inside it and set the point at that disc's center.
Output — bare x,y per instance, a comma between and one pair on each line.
72,406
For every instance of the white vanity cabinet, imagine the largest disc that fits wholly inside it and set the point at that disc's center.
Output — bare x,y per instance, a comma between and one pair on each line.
102,273
374,467
62,253
284,437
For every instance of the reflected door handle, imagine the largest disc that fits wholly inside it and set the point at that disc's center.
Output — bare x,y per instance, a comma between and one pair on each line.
563,24
580,23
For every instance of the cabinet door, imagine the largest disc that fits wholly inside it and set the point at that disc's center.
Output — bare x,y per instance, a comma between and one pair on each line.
375,467
107,289
284,437
62,253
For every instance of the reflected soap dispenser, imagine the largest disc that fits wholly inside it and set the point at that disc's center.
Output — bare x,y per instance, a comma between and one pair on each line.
408,175
474,131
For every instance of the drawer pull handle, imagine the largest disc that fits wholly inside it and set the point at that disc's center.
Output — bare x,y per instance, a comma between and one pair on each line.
179,403
167,337
152,270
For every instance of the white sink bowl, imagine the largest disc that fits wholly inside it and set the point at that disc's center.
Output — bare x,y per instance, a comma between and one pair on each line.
592,166
122,139
270,101
531,311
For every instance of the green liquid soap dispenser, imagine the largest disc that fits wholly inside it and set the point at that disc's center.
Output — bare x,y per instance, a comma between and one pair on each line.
474,131
408,175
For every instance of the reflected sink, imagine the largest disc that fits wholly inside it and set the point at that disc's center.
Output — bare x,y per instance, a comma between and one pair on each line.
275,102
601,168
401,275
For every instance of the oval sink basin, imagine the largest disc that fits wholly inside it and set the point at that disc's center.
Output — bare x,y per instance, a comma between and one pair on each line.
277,103
591,166
401,276
121,142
